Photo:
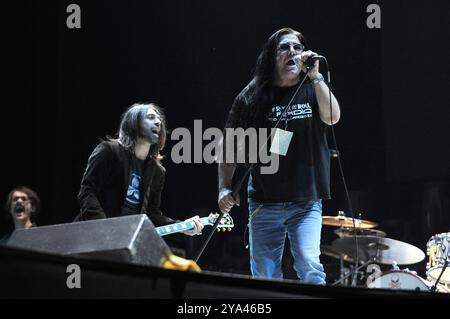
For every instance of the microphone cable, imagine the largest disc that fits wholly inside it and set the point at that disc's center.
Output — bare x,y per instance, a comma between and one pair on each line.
341,170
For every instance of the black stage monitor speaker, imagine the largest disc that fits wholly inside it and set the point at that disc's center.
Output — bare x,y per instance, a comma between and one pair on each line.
130,239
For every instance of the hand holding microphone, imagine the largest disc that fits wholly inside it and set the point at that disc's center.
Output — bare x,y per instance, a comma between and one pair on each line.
309,61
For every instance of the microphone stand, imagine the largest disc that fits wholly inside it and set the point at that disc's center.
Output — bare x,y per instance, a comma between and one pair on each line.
238,186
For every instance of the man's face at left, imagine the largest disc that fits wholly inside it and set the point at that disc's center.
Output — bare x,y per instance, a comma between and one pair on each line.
285,69
151,126
21,207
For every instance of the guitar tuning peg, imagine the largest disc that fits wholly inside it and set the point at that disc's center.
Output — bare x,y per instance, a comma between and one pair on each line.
229,229
218,230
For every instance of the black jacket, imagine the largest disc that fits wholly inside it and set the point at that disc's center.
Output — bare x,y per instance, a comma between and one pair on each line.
105,183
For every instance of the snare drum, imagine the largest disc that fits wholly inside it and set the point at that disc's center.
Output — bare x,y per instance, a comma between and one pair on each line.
438,248
400,279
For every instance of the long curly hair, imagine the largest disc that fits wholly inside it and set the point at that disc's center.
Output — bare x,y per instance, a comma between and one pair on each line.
252,105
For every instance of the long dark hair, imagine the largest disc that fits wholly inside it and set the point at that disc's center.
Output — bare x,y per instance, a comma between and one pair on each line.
253,103
34,199
131,128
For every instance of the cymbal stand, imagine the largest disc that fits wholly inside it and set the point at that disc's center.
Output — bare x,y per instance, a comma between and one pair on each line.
342,270
343,276
433,289
352,273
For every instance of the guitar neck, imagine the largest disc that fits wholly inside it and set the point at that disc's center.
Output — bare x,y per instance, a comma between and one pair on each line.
179,227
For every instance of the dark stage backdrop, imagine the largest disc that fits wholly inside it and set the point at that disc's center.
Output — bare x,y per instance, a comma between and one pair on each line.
66,88
416,81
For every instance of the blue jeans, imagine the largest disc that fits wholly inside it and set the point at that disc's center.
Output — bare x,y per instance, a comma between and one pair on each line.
268,225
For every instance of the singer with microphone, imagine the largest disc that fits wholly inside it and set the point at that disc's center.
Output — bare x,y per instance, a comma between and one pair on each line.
288,202
124,175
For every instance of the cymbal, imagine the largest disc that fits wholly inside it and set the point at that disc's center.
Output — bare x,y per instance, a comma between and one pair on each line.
346,232
384,250
329,251
342,221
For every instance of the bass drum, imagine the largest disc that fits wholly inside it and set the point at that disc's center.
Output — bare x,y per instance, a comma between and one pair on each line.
400,279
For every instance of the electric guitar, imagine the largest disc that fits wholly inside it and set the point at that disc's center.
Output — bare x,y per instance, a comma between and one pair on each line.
225,224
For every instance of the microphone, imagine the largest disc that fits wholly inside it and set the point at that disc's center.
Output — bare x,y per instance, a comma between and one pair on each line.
309,63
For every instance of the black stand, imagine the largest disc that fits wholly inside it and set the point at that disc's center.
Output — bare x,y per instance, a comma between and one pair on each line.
238,186
353,273
433,289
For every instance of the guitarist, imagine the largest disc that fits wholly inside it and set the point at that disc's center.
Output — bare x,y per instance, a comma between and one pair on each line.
124,176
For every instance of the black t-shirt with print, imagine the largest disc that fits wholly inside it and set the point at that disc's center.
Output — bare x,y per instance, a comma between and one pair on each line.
133,200
304,173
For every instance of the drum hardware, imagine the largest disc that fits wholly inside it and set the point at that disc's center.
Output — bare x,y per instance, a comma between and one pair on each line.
383,250
433,289
370,246
443,288
380,250
329,251
400,279
341,221
349,227
353,273
438,249
348,231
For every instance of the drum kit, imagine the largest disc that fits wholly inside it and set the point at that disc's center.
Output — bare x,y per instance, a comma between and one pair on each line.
365,248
